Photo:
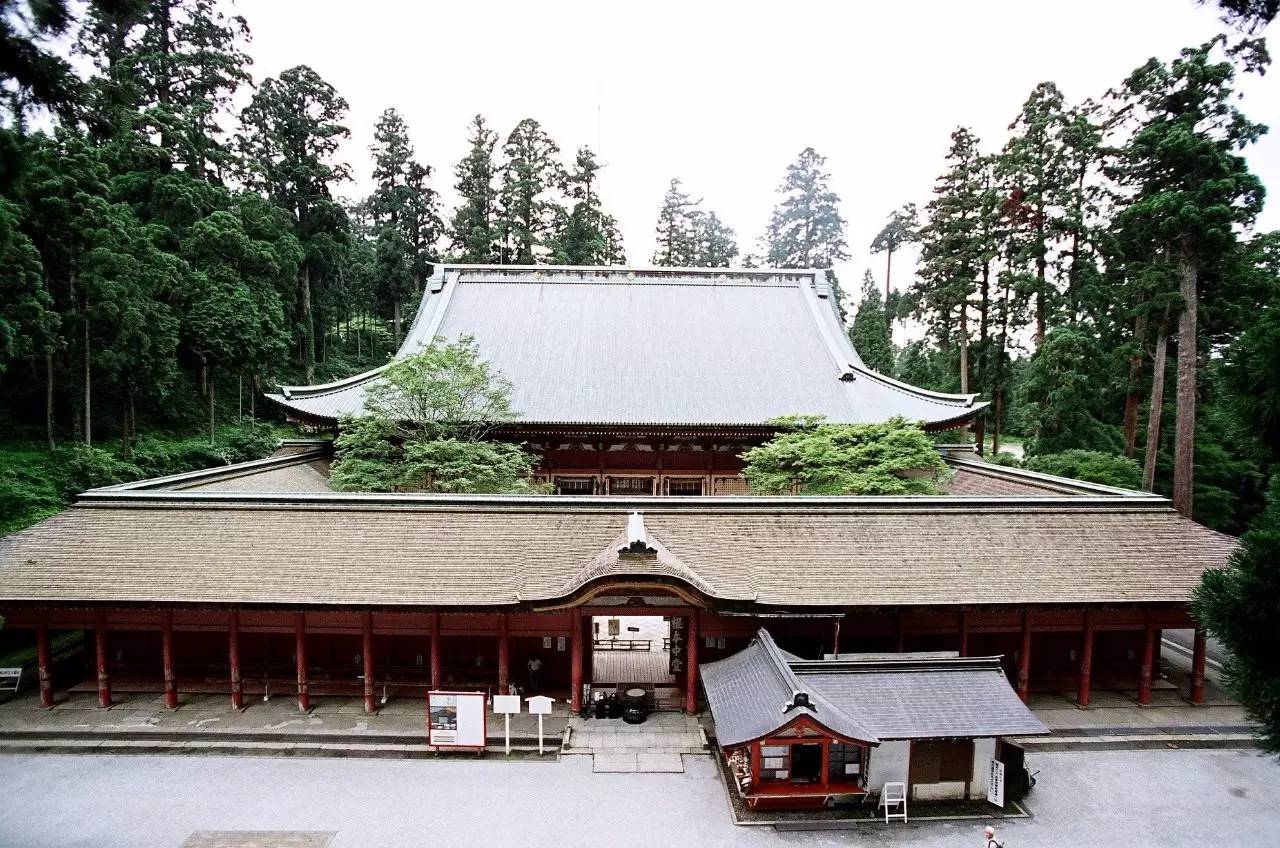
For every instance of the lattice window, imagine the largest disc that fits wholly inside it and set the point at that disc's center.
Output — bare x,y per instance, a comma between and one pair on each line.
575,485
684,486
631,485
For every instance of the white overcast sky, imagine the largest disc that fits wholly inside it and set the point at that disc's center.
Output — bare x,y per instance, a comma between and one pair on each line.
725,95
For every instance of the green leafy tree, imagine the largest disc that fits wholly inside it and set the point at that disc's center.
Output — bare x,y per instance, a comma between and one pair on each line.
424,428
1090,466
473,229
870,332
1237,604
810,457
32,74
529,196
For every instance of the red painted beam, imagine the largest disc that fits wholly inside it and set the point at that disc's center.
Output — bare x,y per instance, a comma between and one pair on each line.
370,705
1197,667
100,654
691,664
233,660
1148,661
504,654
44,661
300,635
1086,662
436,675
575,661
1024,659
166,657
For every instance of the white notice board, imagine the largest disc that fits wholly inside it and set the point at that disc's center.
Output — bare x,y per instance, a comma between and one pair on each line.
456,719
995,784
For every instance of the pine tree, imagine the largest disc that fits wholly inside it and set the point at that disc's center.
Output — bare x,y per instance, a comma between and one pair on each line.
473,230
529,197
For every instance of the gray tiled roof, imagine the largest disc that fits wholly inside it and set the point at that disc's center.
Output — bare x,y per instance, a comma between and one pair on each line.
751,695
656,347
900,697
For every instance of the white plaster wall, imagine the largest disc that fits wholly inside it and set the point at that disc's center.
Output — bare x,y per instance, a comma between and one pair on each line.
889,764
945,791
984,751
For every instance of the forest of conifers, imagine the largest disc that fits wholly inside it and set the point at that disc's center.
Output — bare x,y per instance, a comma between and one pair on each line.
174,238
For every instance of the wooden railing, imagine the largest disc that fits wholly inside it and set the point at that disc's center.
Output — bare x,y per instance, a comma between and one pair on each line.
623,644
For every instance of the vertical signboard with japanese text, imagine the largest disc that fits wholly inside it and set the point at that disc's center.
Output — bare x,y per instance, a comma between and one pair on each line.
678,633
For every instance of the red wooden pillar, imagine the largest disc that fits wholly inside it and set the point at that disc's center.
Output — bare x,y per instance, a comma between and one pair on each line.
1086,662
825,774
835,638
436,675
300,649
964,633
1148,660
233,660
575,661
691,664
166,658
100,653
1024,659
504,654
1197,668
44,661
370,705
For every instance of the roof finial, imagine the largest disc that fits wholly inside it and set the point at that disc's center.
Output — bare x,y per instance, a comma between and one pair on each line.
637,536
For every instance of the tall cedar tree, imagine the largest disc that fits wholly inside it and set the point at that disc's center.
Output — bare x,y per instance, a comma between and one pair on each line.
473,230
291,132
676,232
1192,188
587,235
953,249
403,210
870,332
31,74
805,229
901,228
529,197
717,243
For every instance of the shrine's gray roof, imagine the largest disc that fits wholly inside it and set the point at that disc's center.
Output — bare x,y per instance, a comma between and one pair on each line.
902,696
652,347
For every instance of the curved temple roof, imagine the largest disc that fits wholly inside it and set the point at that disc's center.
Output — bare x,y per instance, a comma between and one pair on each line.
659,346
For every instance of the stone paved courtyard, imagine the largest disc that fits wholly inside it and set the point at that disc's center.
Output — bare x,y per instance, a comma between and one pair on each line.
1173,799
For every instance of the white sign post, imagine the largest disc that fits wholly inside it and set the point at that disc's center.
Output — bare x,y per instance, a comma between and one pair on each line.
540,705
995,784
457,719
505,705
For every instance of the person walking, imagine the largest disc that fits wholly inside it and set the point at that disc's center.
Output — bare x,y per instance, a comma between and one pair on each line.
989,838
535,674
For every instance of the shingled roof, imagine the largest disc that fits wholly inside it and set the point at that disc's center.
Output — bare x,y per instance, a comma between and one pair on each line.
661,347
418,551
904,696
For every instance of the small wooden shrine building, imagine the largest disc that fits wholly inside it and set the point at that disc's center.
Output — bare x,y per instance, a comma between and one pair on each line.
803,733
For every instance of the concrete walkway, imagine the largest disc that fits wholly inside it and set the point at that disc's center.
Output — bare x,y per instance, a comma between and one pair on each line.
659,745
